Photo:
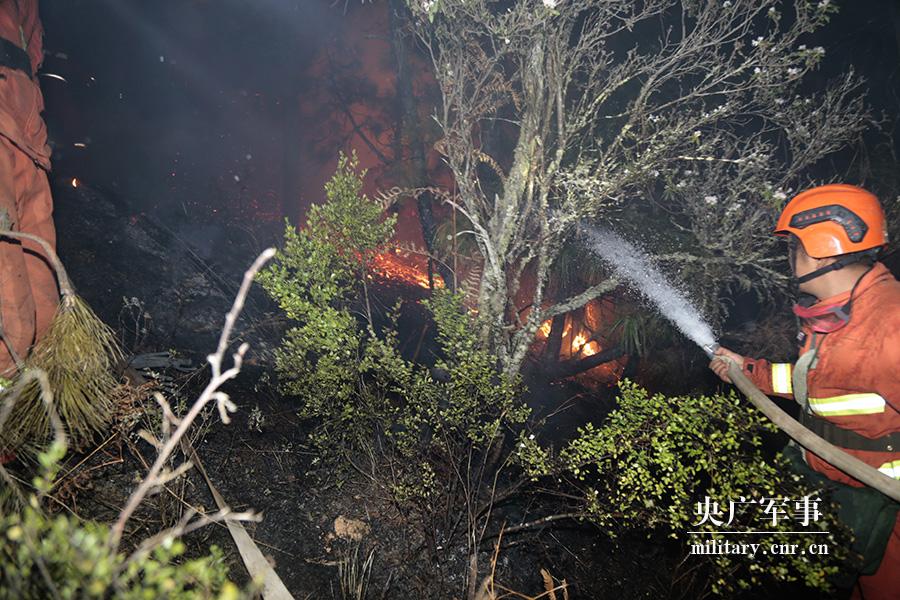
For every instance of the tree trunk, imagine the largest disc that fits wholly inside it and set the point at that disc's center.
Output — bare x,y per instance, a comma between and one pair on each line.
492,298
411,143
554,339
568,368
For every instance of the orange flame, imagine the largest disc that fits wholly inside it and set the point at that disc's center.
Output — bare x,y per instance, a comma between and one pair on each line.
578,342
582,339
544,331
396,268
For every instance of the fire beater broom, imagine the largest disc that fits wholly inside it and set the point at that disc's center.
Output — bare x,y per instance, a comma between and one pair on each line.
78,353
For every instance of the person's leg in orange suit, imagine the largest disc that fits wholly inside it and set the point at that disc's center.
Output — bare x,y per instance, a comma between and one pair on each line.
28,290
36,217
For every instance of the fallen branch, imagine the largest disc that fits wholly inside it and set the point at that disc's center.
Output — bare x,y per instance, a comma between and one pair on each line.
210,393
257,565
539,523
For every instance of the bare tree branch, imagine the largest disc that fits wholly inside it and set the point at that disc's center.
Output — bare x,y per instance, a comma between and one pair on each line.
705,123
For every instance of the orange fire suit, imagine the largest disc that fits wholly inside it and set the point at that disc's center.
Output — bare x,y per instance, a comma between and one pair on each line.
855,385
28,290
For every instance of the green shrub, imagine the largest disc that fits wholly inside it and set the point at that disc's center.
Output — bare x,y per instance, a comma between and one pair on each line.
45,556
351,378
316,278
56,556
655,460
434,426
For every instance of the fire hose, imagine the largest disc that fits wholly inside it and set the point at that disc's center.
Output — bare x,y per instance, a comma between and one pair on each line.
827,451
257,566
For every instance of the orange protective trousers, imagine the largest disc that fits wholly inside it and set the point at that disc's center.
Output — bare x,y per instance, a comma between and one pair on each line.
28,290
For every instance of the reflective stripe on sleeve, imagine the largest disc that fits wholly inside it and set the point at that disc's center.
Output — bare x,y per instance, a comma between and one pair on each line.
891,469
781,378
849,404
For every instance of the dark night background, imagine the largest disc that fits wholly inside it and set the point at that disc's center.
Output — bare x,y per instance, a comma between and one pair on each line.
203,123
191,110
178,102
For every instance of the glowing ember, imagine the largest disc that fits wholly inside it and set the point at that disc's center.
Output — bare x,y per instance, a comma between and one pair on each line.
396,268
547,326
544,331
578,342
591,348
74,182
582,337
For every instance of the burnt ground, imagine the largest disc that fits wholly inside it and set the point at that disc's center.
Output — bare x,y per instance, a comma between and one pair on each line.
166,292
260,462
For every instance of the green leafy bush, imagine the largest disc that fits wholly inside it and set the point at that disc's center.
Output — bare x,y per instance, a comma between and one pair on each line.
315,278
351,378
431,432
45,556
56,556
467,413
657,464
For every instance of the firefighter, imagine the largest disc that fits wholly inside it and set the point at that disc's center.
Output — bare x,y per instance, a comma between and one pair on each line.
847,377
28,289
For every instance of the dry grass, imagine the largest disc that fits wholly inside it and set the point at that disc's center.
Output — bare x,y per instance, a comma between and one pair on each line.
354,573
489,589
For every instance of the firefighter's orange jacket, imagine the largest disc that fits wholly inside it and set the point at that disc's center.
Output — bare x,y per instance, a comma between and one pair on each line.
21,101
856,383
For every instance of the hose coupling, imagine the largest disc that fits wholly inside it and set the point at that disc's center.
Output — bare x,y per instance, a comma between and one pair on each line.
710,349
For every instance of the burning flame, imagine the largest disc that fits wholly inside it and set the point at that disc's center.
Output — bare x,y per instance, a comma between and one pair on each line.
544,331
395,268
579,333
74,182
579,342
547,326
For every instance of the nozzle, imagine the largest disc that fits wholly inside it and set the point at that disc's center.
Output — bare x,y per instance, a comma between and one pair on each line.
711,349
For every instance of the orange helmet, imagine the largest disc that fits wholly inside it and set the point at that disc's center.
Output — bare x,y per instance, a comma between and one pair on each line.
835,219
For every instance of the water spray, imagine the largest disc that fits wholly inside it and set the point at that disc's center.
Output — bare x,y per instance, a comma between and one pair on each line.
631,264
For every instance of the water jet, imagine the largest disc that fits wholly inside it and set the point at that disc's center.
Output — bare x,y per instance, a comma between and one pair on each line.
631,264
